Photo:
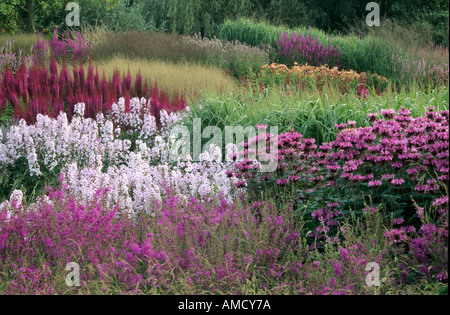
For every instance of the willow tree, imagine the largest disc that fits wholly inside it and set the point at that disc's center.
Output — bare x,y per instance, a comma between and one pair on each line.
194,16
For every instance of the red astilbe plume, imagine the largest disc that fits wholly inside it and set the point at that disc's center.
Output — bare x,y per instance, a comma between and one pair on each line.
138,85
53,71
178,102
9,82
104,85
64,80
116,84
89,111
33,111
76,80
155,104
57,106
18,111
127,97
33,83
90,84
44,83
97,80
146,90
81,77
128,82
22,82
54,81
43,106
165,101
70,102
55,98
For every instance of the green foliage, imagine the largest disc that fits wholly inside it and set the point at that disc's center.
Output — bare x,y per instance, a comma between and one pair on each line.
21,41
368,54
29,15
439,24
9,15
238,60
149,46
118,15
193,16
313,114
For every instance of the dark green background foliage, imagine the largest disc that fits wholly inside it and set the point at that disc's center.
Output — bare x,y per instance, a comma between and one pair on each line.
205,16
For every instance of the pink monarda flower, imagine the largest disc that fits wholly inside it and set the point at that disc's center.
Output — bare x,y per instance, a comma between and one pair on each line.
352,124
397,181
372,117
388,113
375,183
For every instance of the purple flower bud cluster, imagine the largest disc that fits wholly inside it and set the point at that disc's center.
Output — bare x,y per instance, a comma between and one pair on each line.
307,50
40,51
65,47
10,58
205,245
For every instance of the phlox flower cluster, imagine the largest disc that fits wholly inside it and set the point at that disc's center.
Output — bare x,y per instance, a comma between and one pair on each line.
137,186
92,155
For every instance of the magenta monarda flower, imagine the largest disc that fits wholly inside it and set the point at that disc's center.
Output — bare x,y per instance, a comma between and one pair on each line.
375,183
397,181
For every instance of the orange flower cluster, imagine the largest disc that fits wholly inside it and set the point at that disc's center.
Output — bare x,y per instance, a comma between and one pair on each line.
319,76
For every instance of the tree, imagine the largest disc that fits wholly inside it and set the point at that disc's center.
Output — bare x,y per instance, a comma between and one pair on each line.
11,11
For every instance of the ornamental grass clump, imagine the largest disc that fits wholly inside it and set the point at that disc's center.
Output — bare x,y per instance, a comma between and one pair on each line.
11,58
238,60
